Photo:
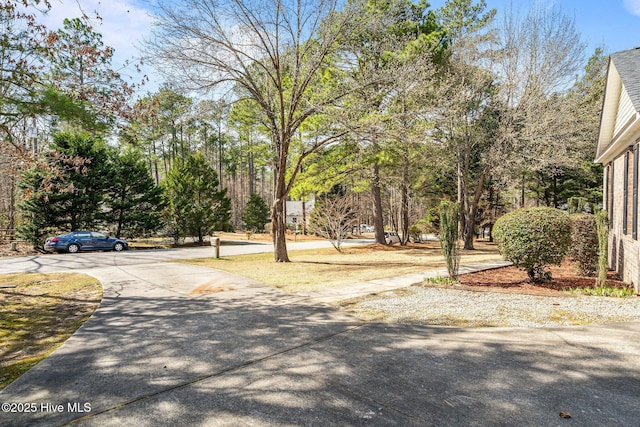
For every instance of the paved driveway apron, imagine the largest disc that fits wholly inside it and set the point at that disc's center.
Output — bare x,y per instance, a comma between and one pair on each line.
175,344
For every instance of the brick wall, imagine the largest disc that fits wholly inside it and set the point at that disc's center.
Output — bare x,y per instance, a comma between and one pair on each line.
623,247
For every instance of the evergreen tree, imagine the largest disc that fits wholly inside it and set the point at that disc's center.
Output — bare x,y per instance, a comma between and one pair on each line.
256,213
449,235
135,202
195,207
37,204
81,202
64,189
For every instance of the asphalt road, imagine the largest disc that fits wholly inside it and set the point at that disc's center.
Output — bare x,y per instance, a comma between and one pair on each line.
179,345
55,262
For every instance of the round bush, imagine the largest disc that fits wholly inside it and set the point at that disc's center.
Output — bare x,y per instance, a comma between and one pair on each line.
584,243
533,238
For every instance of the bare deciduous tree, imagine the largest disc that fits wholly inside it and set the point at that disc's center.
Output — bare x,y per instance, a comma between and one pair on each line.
273,52
334,217
515,88
538,58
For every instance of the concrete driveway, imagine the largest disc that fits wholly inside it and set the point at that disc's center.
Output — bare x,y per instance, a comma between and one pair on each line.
174,344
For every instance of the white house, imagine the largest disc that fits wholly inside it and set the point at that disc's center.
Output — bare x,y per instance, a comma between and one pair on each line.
298,212
618,151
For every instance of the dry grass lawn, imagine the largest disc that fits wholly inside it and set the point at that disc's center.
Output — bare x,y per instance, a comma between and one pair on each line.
39,312
325,268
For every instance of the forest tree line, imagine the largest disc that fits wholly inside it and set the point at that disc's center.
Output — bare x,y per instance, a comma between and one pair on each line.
401,104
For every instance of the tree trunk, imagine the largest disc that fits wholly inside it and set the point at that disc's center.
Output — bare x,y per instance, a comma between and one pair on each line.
522,190
219,157
174,142
155,162
378,222
470,219
304,217
252,172
278,209
404,217
279,230
12,205
472,211
463,186
164,158
555,191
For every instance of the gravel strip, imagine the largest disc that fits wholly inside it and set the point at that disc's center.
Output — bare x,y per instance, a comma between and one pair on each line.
451,307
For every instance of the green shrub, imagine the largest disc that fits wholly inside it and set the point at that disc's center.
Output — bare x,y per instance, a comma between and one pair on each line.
449,235
576,204
602,225
533,238
440,280
414,233
584,243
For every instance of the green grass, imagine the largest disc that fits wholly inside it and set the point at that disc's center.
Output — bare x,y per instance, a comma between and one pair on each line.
441,280
39,312
608,291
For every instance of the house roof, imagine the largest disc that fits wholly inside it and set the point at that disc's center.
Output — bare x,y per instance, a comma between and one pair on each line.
294,208
628,65
623,74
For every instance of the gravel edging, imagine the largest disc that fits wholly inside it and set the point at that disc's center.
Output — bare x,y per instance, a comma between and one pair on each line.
452,307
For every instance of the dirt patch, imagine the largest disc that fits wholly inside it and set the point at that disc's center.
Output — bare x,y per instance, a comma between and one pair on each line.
22,249
513,280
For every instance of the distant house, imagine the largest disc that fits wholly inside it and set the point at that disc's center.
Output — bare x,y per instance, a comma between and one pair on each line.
618,151
298,212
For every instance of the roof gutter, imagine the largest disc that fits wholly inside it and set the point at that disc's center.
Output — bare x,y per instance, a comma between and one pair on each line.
626,136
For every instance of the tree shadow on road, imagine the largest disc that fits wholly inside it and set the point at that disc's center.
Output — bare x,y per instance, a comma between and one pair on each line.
225,359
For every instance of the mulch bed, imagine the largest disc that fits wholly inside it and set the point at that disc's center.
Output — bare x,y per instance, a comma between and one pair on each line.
512,280
23,249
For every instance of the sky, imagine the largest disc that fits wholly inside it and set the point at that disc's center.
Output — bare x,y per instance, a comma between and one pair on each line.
611,24
124,24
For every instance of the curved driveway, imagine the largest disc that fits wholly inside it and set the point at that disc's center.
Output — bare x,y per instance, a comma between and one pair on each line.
90,260
174,344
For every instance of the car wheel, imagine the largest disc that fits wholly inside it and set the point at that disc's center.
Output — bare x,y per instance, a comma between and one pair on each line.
118,247
73,248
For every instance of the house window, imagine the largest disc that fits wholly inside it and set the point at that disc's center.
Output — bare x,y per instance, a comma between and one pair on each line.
611,187
634,207
625,197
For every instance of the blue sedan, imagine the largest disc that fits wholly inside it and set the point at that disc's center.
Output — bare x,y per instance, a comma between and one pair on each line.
77,241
